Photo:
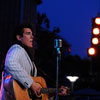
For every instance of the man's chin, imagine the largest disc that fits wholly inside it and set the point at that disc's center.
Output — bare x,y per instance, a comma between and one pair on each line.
30,46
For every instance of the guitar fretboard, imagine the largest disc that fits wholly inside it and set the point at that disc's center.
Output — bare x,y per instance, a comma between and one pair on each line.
49,90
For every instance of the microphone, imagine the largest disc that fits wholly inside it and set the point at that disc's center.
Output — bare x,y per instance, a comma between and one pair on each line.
57,43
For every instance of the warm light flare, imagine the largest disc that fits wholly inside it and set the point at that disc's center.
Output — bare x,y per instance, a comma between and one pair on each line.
95,31
97,21
91,51
95,41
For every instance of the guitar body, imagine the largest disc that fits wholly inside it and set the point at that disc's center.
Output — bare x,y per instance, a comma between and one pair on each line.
21,93
15,91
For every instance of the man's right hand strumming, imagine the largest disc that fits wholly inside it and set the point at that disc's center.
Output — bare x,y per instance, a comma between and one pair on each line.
35,88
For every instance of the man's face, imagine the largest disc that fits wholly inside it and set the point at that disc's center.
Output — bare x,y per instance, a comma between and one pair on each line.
27,38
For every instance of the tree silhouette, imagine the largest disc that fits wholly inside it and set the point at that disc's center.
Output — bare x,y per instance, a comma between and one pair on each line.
45,56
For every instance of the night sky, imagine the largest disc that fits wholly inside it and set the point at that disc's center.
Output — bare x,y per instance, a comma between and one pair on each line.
74,18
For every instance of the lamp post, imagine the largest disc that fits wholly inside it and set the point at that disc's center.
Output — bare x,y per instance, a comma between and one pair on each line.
72,79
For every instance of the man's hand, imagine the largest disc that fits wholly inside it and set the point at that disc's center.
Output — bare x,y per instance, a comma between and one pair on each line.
65,91
35,88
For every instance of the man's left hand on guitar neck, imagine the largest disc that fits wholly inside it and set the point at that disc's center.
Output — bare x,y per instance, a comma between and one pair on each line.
65,91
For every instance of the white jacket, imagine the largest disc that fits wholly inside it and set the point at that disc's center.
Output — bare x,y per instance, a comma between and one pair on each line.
19,65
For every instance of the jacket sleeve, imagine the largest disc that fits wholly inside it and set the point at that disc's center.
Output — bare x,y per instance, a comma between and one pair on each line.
13,66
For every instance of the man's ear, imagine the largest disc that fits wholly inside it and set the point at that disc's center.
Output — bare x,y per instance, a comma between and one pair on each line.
18,37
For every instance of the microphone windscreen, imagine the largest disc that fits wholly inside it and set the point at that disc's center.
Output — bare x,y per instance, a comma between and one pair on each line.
57,43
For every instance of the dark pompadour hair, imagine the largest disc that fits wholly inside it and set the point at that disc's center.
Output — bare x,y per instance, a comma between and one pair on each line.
20,29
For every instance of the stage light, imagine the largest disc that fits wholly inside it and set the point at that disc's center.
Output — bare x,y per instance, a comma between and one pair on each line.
91,51
95,31
95,41
94,50
97,21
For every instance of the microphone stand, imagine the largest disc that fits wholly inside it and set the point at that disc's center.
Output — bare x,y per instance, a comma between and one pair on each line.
58,44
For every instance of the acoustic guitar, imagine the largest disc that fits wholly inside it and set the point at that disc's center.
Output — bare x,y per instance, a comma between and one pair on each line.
15,91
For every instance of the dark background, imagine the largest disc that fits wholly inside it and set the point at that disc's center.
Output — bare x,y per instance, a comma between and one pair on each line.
15,12
74,19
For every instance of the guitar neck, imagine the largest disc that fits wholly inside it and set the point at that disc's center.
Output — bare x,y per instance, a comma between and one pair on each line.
49,90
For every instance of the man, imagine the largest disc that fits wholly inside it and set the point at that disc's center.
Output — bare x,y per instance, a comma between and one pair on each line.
18,62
